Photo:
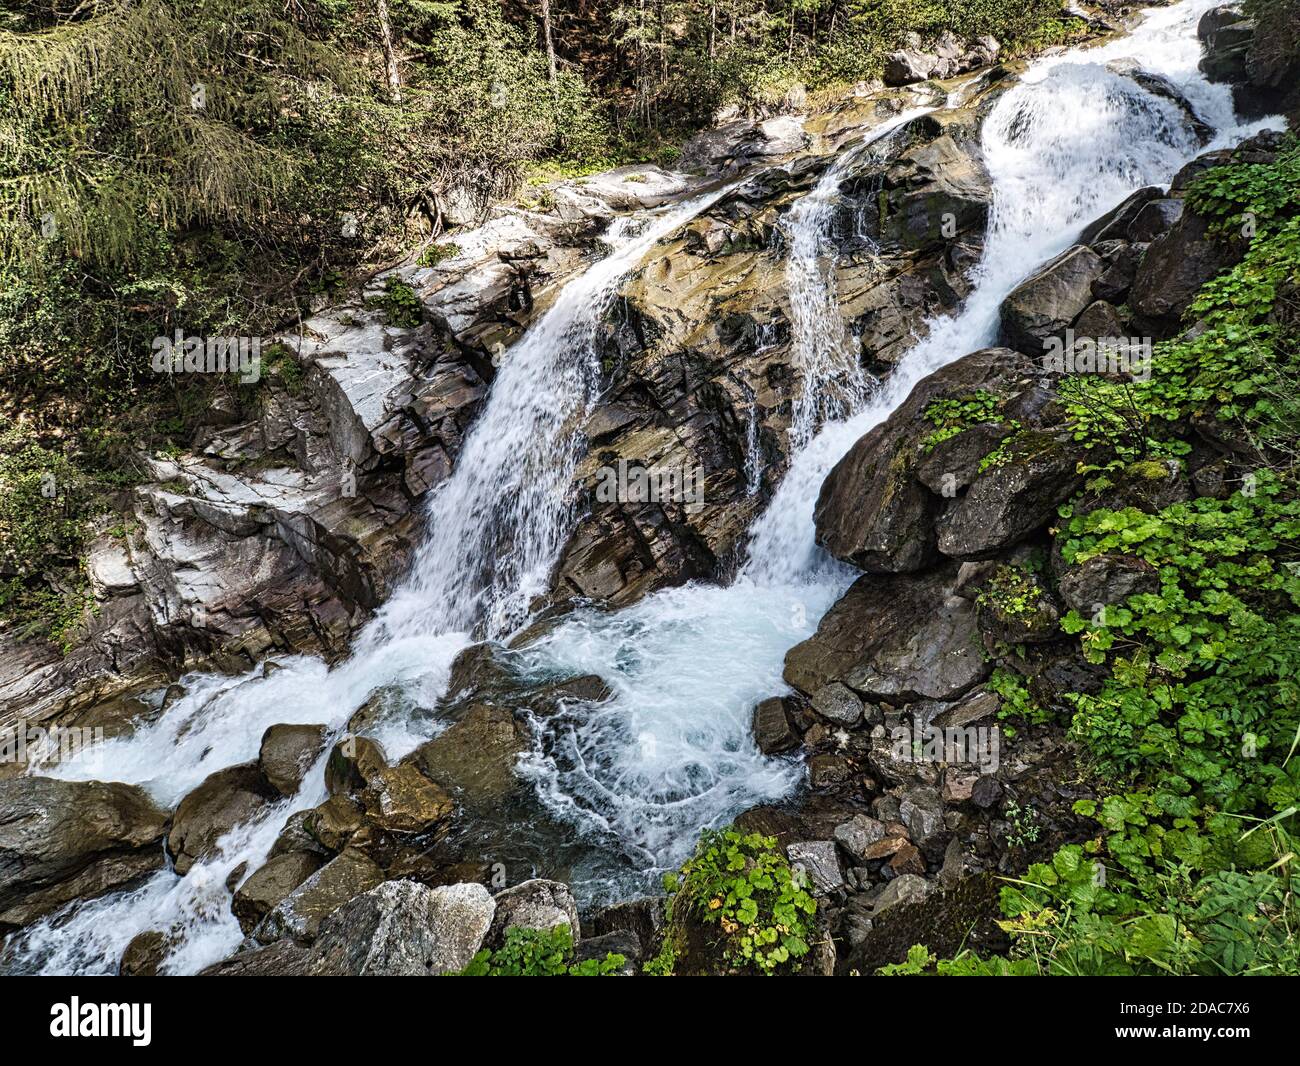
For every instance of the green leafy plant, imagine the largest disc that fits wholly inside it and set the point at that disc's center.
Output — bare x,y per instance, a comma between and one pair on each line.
400,303
540,953
740,888
953,416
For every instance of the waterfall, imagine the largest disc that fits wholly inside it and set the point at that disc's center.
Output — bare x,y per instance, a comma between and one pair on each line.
832,382
495,529
670,753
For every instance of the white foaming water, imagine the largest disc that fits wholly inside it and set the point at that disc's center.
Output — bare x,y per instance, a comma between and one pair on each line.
498,525
671,753
494,531
832,381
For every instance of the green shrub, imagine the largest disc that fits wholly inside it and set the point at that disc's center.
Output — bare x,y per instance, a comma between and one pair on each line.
738,895
540,953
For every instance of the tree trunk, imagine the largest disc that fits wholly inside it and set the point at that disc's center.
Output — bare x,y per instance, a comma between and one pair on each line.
546,35
394,75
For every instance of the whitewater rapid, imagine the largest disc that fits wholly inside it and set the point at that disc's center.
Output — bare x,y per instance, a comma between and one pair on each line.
640,775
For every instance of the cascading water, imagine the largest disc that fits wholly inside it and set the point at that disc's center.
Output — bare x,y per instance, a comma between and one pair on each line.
832,381
495,528
670,753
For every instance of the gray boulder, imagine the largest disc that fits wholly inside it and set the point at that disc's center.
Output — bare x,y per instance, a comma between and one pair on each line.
403,929
1044,305
66,840
535,904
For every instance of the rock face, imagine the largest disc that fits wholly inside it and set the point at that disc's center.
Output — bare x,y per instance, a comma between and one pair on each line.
896,638
701,372
66,840
404,929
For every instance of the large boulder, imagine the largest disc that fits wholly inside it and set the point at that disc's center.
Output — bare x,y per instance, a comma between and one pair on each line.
895,638
68,840
404,929
1175,267
535,904
1012,498
287,752
1045,304
270,884
224,800
908,65
299,915
878,506
475,757
771,727
1226,39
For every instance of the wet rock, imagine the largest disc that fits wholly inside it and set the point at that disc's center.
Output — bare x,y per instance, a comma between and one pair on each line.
1160,86
1013,498
224,800
475,757
837,704
145,954
895,638
875,509
352,763
287,752
400,799
1044,306
66,840
820,862
270,884
1106,580
771,727
535,904
299,915
403,929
